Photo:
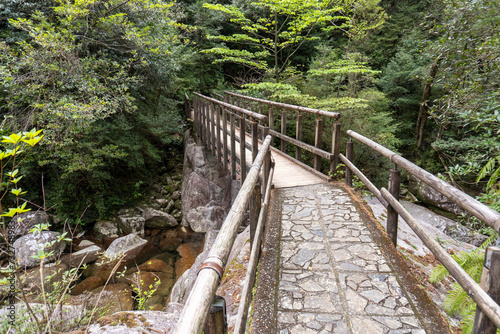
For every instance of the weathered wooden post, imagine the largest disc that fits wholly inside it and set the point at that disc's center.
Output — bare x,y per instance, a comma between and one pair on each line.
318,142
271,118
224,138
267,161
254,209
233,145
392,215
489,283
216,319
212,128
335,148
283,130
261,111
219,148
349,154
203,121
255,140
298,136
243,160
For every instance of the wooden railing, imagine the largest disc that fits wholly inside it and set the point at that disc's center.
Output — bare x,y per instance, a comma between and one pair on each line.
282,113
212,119
488,311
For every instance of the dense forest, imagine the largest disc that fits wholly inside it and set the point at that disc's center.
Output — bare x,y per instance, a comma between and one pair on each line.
105,80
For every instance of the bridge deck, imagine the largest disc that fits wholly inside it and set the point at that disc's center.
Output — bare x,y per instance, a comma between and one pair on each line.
327,274
287,173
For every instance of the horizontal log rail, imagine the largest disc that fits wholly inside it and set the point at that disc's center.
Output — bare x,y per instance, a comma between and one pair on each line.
466,202
390,199
243,111
307,147
194,313
282,112
482,299
280,105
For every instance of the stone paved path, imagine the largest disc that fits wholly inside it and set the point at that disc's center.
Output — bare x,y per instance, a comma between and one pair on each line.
332,276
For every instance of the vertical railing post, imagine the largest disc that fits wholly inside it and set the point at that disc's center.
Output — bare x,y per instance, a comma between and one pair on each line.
233,145
243,160
283,130
207,128
271,118
267,162
318,139
255,140
298,136
349,154
216,319
254,208
392,215
335,148
489,283
212,128
219,146
261,111
203,121
224,137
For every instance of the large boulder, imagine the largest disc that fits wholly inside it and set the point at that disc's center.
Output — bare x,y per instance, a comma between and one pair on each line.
429,195
29,245
132,222
158,219
21,224
125,248
206,189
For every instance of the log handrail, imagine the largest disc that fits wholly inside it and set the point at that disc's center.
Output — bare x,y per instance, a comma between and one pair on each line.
484,301
246,112
194,313
466,202
280,105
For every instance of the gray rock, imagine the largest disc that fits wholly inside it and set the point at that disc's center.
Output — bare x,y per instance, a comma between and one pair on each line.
184,284
176,195
128,246
161,202
30,244
21,224
158,219
139,322
60,316
107,228
206,189
132,223
33,279
84,256
428,195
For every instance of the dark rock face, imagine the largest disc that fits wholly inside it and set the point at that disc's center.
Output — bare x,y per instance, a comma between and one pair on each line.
428,195
206,189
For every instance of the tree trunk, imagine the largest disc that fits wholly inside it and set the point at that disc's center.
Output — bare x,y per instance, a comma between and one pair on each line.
422,117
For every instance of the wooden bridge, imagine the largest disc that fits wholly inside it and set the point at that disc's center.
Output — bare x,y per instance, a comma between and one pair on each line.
325,266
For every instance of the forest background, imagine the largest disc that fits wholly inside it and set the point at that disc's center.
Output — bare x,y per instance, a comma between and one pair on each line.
105,80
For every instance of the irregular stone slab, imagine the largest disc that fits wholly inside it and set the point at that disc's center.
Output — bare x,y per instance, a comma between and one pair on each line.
303,256
84,256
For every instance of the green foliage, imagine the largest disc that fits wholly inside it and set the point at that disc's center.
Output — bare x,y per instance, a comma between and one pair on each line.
100,77
457,300
271,31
